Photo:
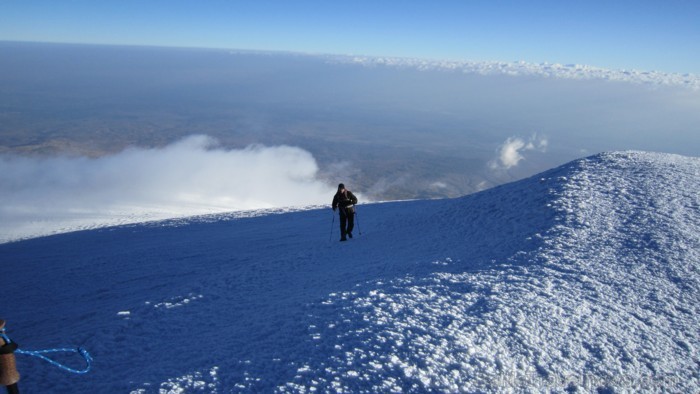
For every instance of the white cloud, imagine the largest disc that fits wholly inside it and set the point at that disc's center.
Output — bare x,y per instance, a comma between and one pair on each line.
193,176
521,68
510,154
438,185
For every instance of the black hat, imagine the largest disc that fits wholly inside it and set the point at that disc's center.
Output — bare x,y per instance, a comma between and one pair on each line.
341,186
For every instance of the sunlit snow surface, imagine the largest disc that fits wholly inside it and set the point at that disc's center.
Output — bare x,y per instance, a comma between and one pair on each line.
585,277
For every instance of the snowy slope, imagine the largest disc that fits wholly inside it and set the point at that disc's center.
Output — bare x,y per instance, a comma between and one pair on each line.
584,277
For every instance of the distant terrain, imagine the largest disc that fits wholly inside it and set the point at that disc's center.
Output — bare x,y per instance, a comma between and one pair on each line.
393,132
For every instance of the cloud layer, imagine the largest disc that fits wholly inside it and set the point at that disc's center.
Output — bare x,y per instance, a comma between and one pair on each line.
548,70
192,176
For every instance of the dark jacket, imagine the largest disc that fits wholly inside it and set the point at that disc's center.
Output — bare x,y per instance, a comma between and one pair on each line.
345,200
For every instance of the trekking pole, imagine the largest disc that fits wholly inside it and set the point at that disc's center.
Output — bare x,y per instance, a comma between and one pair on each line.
357,217
330,237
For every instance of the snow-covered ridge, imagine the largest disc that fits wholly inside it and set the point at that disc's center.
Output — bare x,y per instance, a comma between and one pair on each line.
599,292
521,68
585,278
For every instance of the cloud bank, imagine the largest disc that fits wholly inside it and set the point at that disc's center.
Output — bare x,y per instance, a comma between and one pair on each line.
520,68
192,176
511,152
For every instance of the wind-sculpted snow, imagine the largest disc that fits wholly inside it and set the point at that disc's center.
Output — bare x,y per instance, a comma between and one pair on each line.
607,301
548,70
585,278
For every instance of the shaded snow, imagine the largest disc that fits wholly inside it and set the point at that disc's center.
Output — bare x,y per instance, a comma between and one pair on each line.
585,277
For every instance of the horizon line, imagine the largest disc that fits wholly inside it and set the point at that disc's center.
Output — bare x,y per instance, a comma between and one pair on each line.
353,55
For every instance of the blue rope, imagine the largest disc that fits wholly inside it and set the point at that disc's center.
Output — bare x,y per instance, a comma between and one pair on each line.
40,354
80,350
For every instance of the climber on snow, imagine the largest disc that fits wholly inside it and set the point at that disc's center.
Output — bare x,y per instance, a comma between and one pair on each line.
345,200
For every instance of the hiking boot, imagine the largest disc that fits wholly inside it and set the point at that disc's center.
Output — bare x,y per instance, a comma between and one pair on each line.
343,239
350,235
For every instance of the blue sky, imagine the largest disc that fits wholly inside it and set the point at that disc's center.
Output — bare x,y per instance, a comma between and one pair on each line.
644,35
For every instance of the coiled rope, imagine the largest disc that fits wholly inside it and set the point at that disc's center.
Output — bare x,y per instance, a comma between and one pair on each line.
41,355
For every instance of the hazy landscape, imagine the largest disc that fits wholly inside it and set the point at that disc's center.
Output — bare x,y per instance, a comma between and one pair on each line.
392,131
